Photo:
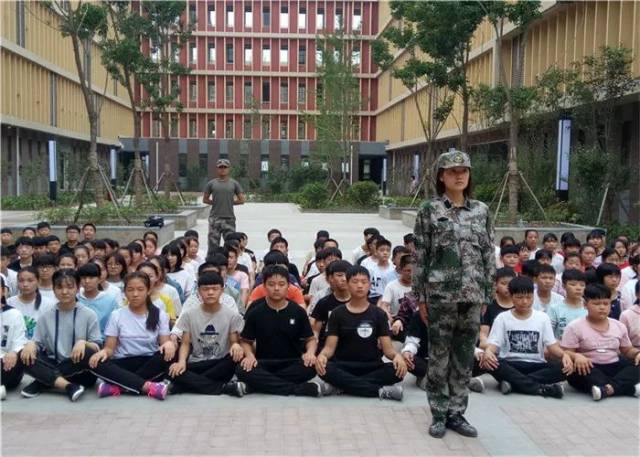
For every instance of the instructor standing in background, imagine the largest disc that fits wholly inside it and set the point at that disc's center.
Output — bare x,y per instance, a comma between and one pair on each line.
453,279
222,193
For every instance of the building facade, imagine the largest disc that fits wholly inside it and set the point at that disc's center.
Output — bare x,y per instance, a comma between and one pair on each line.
42,101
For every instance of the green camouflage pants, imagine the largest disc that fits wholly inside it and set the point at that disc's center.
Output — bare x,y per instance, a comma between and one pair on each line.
453,331
219,227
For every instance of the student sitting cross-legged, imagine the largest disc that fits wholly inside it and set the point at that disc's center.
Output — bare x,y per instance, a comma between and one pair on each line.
351,360
209,344
137,349
521,335
278,343
595,343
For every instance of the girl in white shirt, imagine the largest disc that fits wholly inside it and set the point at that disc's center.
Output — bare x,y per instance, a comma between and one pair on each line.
186,280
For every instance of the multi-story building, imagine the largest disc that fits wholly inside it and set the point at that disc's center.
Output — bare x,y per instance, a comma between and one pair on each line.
253,84
42,101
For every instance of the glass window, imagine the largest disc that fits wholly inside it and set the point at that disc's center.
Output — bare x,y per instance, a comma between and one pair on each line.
228,91
192,128
211,128
248,53
175,52
229,52
283,129
212,15
246,128
302,18
248,92
266,91
318,56
284,92
193,91
266,128
193,53
173,126
229,15
266,54
301,130
302,54
284,54
302,92
355,55
248,17
284,17
212,53
357,18
339,19
211,91
192,14
266,16
228,128
320,19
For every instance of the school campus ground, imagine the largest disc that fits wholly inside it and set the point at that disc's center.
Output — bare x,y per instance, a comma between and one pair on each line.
336,426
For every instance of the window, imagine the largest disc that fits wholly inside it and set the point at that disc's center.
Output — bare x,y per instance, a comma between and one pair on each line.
192,14
246,128
284,54
339,19
228,128
211,128
357,18
301,130
319,91
355,55
211,53
193,53
211,91
284,17
248,53
193,91
266,54
320,19
266,91
302,18
173,126
302,54
192,128
20,23
212,15
228,91
266,16
248,92
155,53
266,128
248,17
264,166
318,56
229,49
284,92
283,129
155,128
302,92
229,15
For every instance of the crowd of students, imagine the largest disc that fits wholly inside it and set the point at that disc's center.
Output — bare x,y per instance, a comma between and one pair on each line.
149,320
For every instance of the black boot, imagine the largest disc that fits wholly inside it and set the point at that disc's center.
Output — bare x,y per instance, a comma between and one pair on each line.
437,428
459,424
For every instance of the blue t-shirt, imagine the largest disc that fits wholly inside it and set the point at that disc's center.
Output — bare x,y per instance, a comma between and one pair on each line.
561,315
103,305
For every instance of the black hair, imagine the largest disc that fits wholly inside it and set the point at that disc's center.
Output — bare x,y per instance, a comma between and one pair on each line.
112,243
61,276
407,259
4,251
218,260
399,249
527,231
274,270
596,292
506,239
81,247
243,235
45,260
191,233
335,252
322,234
210,279
233,236
173,249
596,233
509,249
43,224
153,313
383,242
584,247
371,231
90,270
591,277
275,258
374,238
521,285
189,239
607,269
543,253
339,266
571,255
90,224
72,227
549,237
3,299
6,230
318,244
440,187
51,238
99,244
546,268
279,240
522,246
409,238
207,266
505,272
34,271
25,240
571,242
530,268
573,275
69,255
134,247
39,241
273,231
150,233
565,236
606,252
33,229
149,264
118,259
330,240
357,270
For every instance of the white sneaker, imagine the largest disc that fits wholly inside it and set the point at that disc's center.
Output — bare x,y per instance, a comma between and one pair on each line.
596,393
637,390
325,388
3,392
476,384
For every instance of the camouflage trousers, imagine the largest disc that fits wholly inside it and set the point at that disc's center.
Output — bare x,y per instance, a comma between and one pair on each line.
453,332
219,227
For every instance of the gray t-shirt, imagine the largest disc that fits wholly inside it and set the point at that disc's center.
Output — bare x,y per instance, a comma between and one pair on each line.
209,332
222,193
85,324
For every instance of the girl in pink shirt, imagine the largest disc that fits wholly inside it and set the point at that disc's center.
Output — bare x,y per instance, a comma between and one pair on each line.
631,319
595,343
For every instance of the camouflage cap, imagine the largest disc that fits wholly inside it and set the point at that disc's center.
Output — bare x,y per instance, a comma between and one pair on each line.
452,159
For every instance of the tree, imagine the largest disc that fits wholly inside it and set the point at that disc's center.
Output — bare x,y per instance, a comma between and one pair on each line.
123,55
82,23
338,103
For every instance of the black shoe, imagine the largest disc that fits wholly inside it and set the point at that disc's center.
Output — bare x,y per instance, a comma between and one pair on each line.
235,389
32,390
74,391
307,389
551,390
459,424
437,429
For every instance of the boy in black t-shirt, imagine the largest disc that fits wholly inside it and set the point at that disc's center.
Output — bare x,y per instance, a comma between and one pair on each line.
337,277
353,334
278,343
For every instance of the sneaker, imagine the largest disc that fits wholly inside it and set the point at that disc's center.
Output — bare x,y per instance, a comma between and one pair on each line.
637,390
307,389
158,390
74,391
3,392
437,429
600,392
106,389
235,389
422,383
551,390
326,389
32,390
459,424
476,384
505,387
393,392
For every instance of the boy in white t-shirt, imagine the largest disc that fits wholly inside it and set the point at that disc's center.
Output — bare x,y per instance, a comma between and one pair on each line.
521,336
381,270
543,296
396,291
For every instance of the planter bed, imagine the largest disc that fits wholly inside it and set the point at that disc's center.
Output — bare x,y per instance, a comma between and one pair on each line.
184,220
202,210
393,212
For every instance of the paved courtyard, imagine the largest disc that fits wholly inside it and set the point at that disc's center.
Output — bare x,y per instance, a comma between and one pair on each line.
337,426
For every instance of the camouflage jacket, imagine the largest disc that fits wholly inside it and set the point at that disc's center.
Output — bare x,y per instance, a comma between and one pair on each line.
456,258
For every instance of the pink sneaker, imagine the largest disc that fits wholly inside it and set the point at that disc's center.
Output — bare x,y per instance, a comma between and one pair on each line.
108,390
158,390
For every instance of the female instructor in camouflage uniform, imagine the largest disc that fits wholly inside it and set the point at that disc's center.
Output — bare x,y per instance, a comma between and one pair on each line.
456,264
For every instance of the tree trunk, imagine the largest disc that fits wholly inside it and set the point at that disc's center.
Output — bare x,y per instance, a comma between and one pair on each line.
464,135
137,160
168,178
96,182
513,180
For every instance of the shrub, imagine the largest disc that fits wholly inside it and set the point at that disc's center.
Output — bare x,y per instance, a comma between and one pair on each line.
300,175
363,194
313,195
